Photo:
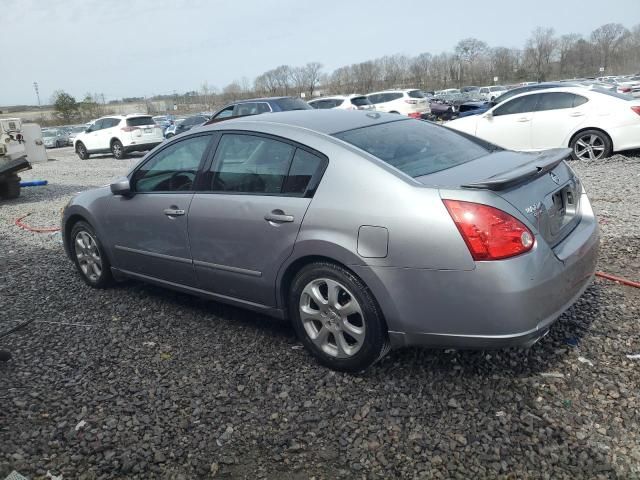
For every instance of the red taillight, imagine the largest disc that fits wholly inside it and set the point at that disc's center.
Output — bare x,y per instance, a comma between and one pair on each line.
490,234
411,102
636,109
624,89
414,115
128,129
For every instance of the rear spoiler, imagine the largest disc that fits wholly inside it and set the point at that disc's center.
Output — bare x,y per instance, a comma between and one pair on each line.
540,163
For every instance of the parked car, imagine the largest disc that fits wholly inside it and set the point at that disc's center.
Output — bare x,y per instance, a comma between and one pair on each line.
74,131
448,91
366,230
118,134
170,131
410,102
560,117
54,138
491,92
165,121
188,123
343,102
470,89
255,106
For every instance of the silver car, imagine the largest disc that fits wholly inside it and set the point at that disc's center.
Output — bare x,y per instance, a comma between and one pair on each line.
367,230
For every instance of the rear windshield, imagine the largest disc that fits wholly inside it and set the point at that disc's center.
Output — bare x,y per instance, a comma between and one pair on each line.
414,147
613,93
292,104
139,121
415,94
360,101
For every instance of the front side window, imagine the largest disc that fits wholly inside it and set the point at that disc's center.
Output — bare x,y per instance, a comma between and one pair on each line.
263,107
517,105
98,125
250,164
226,113
173,169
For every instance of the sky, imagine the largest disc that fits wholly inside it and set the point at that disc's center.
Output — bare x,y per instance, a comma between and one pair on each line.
127,48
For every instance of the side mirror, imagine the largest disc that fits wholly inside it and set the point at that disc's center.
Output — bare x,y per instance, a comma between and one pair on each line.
121,187
487,115
88,130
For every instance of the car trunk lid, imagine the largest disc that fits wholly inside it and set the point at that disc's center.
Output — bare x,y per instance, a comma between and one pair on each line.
541,186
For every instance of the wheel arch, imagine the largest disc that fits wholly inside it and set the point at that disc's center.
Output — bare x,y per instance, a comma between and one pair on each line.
582,130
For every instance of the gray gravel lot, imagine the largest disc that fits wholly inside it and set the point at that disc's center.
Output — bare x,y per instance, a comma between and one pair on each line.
141,382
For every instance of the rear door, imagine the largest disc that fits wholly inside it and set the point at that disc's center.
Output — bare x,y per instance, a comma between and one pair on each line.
509,124
245,218
557,115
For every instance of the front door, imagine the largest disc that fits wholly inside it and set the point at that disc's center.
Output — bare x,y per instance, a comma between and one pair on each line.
148,231
244,225
509,124
91,140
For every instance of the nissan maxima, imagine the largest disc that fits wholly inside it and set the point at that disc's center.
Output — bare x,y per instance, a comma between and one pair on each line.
367,230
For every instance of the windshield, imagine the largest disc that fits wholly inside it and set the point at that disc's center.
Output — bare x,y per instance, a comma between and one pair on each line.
415,94
414,147
496,89
360,101
139,121
292,104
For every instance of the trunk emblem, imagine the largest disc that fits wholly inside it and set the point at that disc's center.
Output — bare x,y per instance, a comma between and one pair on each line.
555,178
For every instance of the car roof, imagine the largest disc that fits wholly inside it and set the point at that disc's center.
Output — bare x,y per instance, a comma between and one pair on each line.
260,99
328,122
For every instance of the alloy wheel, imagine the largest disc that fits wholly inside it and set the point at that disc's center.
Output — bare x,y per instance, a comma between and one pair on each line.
88,255
332,318
590,147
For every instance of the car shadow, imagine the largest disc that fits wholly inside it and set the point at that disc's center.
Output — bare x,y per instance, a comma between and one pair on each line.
46,193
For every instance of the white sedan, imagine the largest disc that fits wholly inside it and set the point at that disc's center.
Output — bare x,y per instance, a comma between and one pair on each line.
592,122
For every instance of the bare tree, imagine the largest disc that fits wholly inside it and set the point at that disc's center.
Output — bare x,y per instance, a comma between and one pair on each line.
311,73
608,39
469,51
539,51
566,46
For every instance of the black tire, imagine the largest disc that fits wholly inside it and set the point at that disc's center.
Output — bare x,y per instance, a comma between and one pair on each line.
81,151
169,135
376,342
10,189
118,150
79,232
397,113
600,143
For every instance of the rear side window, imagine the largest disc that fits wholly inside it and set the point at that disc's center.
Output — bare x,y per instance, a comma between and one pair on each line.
360,101
389,97
263,107
413,147
139,121
375,98
555,101
250,164
247,109
292,104
415,94
304,166
517,105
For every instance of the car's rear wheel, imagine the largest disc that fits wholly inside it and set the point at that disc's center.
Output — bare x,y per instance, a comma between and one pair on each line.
336,318
169,135
590,145
89,256
81,151
117,150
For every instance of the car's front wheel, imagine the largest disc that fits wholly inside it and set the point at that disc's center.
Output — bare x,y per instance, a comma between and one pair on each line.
89,256
169,135
336,318
590,145
117,150
81,151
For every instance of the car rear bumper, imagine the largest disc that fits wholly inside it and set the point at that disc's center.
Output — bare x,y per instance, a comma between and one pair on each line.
626,137
498,304
143,147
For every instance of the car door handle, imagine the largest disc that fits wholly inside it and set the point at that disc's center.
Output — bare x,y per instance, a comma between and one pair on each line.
173,212
576,114
278,216
523,119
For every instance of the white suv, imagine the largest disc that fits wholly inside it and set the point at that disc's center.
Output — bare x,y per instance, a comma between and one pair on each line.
118,134
492,92
410,102
342,102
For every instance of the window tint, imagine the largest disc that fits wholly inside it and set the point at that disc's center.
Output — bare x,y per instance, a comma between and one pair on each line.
303,167
415,94
336,102
579,100
323,104
110,122
173,169
415,148
98,125
555,101
518,105
484,90
360,101
247,109
227,112
292,104
375,98
139,121
263,107
389,97
250,164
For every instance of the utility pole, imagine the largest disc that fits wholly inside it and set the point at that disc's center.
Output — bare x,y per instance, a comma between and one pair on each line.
35,87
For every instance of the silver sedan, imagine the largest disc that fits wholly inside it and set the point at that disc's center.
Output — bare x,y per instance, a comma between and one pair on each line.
366,230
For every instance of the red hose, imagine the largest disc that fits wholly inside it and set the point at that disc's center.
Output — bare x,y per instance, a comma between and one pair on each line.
29,228
613,278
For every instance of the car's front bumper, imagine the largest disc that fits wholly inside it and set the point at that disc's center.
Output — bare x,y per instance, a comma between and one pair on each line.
497,304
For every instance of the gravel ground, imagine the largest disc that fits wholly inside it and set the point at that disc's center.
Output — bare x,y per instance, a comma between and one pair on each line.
141,382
